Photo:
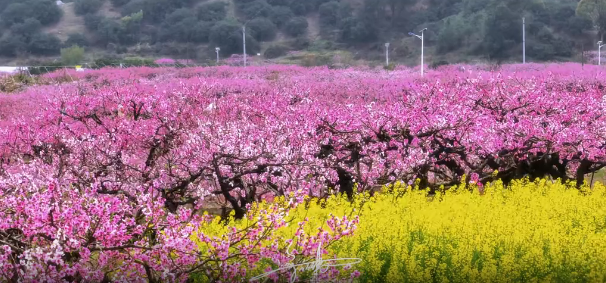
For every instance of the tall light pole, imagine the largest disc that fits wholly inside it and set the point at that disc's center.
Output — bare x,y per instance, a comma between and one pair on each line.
600,45
421,37
244,42
387,54
524,40
217,49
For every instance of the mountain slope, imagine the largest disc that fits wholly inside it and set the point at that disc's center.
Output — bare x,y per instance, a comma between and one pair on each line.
458,30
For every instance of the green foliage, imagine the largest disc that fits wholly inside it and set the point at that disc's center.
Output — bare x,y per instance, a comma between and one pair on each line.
212,11
83,7
178,15
125,62
280,15
257,8
119,3
296,26
228,36
44,44
92,21
154,11
316,59
390,67
275,51
186,30
27,28
462,28
11,45
300,8
45,11
182,25
130,28
44,67
262,29
108,31
72,55
451,35
132,6
501,32
595,10
355,29
437,64
76,39
137,62
329,13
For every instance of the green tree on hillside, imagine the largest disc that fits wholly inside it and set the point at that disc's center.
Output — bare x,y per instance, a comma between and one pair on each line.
228,36
72,55
119,3
501,32
76,39
280,15
83,7
263,29
26,29
596,11
45,11
44,44
212,11
296,26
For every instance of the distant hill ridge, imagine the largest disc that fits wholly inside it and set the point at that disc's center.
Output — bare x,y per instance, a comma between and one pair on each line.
458,30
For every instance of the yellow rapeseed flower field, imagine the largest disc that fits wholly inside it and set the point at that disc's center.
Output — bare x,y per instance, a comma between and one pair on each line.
529,231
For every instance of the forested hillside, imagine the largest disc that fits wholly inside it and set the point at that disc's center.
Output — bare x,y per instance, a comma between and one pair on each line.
457,30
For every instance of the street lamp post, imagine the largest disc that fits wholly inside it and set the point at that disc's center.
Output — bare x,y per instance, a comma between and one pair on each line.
600,45
387,54
421,37
244,42
217,49
523,40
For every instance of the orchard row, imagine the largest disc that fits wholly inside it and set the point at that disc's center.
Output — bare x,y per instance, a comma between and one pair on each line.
103,173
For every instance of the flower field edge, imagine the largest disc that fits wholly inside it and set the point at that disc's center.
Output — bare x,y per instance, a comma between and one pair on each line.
530,231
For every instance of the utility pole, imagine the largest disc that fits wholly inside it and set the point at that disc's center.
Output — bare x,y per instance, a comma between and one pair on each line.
244,42
387,54
422,38
600,45
217,49
524,40
582,55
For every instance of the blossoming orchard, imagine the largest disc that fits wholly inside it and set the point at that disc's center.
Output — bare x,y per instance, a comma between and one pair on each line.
224,174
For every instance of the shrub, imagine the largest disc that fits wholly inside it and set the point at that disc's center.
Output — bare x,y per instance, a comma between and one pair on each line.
257,8
44,67
27,28
301,43
72,55
76,39
83,7
280,15
437,64
275,51
263,29
213,11
12,45
45,11
228,36
296,26
44,44
329,13
92,21
138,62
390,67
119,3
